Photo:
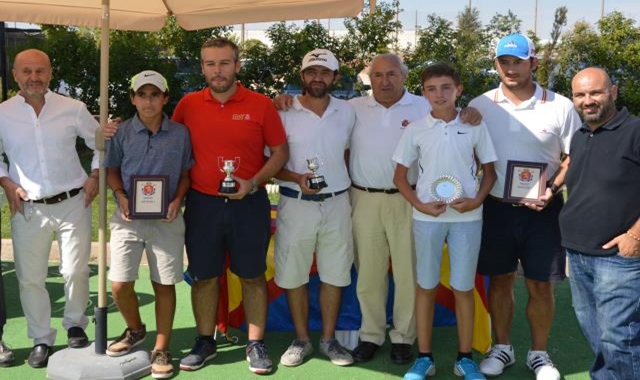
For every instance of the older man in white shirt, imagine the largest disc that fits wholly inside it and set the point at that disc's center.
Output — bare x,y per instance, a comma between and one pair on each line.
48,192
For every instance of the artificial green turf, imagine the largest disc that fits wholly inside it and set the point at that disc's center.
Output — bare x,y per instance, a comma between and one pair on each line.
567,346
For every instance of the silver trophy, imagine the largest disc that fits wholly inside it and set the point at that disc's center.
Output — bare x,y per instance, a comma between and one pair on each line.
316,181
228,185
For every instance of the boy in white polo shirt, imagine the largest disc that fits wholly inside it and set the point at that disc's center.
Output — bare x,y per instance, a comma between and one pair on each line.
448,152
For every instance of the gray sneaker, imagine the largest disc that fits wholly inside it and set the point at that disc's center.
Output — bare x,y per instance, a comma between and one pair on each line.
295,354
258,358
204,350
6,355
335,352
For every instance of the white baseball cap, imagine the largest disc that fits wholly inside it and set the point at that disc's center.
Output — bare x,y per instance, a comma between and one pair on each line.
149,77
320,57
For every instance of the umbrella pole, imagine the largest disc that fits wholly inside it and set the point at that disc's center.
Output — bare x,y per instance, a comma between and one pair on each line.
101,310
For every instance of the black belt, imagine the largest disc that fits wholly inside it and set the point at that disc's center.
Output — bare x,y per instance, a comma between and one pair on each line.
287,192
374,190
59,197
503,202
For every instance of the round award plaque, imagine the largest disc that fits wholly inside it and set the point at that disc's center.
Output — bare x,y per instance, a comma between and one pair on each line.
446,189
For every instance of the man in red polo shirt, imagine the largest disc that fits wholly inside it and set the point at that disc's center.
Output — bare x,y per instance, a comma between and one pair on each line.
228,122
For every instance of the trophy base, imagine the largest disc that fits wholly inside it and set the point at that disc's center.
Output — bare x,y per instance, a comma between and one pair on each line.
227,187
316,183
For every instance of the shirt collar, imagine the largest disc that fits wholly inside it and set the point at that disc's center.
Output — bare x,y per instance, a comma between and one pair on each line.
433,122
47,96
404,100
138,126
539,95
299,107
238,96
619,119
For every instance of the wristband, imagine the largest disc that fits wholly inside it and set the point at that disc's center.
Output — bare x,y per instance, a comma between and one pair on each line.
554,188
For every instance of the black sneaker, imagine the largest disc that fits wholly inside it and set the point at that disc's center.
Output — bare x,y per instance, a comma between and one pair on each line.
204,350
258,358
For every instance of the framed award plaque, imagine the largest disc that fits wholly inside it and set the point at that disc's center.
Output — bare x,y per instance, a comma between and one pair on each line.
525,182
149,196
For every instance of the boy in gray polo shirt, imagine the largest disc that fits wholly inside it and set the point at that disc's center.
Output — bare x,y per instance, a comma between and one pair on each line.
148,144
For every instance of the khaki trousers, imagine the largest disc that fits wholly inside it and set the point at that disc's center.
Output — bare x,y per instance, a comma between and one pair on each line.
382,231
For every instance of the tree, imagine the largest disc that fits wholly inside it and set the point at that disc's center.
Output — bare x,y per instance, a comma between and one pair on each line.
473,63
435,44
74,58
502,25
549,51
282,61
615,47
370,33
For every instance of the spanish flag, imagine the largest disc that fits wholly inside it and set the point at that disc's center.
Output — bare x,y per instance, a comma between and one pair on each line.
231,314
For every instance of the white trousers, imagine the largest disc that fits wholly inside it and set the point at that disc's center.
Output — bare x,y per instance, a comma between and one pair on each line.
32,235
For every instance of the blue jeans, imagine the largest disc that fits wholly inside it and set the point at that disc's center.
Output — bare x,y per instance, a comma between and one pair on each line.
606,300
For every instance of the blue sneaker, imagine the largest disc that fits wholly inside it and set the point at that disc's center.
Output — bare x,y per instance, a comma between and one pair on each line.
468,369
422,368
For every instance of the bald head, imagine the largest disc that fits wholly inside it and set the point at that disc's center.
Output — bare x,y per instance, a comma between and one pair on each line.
32,73
32,55
592,74
594,96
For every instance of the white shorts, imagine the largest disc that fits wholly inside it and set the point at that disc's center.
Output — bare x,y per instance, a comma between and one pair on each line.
305,227
163,242
463,240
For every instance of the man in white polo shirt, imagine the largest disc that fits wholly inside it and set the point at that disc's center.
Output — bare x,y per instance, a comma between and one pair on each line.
382,221
381,216
314,215
527,123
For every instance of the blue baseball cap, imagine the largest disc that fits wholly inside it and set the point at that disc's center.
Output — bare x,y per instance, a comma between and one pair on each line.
516,45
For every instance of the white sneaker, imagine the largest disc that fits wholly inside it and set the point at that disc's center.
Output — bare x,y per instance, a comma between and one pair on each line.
540,363
500,356
296,353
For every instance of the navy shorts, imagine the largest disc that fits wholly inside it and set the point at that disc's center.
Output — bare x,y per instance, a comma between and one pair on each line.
518,234
216,226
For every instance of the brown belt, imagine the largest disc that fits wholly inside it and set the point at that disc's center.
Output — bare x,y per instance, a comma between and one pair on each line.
59,197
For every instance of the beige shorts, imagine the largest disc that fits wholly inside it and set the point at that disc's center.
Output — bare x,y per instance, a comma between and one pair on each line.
163,242
307,227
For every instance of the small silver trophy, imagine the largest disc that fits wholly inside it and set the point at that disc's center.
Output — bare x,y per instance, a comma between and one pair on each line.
228,185
315,182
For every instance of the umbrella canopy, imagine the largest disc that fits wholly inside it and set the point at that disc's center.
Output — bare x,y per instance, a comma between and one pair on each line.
150,15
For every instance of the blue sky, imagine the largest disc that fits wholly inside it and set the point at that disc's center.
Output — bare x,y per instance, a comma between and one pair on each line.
586,10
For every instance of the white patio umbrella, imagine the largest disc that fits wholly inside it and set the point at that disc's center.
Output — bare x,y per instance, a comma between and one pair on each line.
151,15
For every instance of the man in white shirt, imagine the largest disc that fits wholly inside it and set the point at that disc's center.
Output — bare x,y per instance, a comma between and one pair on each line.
48,192
527,123
313,219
